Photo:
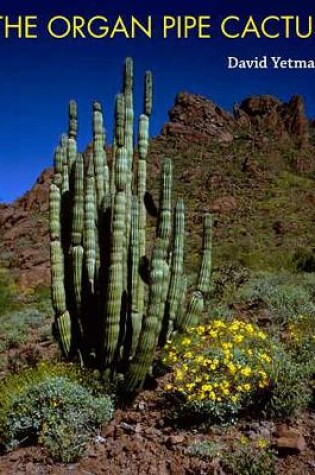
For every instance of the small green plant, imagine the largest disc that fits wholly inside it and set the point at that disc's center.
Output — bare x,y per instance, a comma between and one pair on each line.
251,458
300,339
40,298
16,325
7,291
59,414
206,449
290,392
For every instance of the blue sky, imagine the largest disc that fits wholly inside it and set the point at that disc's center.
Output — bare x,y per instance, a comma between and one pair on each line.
38,77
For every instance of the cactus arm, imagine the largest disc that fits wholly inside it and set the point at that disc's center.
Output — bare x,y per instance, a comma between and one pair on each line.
57,177
89,224
78,203
143,143
65,168
98,154
72,153
57,278
73,120
165,206
115,281
62,317
177,263
203,284
128,93
136,318
55,212
120,120
195,309
64,328
142,361
148,86
181,314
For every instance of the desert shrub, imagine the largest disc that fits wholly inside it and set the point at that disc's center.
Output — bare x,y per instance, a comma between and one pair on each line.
222,369
40,298
7,291
300,340
219,368
59,414
290,391
13,385
304,260
15,326
206,449
251,458
228,279
283,295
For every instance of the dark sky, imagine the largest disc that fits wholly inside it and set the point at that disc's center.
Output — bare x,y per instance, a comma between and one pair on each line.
39,76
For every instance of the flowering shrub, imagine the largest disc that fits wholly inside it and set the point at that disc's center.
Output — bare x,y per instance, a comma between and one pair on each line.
59,414
219,367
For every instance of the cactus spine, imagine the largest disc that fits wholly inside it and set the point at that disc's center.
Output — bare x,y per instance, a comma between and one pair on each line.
98,244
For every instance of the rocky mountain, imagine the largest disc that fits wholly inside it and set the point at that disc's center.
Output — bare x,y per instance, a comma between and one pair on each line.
253,168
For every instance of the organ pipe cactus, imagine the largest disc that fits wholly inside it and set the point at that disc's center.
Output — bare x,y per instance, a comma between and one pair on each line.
110,308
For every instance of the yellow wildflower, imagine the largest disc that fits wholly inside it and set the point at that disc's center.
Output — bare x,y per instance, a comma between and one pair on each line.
262,443
186,341
246,371
238,338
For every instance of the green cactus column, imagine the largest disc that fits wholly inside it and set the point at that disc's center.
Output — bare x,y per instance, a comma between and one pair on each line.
76,249
72,134
206,264
101,181
115,283
181,311
129,117
65,169
143,146
142,361
73,120
62,317
89,224
117,266
195,309
118,139
99,155
177,265
196,304
165,206
148,93
134,320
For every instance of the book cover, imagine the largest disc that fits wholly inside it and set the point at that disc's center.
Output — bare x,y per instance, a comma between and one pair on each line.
157,227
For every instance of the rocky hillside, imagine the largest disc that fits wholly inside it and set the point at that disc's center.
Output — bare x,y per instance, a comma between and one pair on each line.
254,169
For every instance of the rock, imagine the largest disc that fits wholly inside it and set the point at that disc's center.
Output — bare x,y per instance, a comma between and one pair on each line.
290,440
141,406
175,439
194,117
99,439
14,456
284,121
224,205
